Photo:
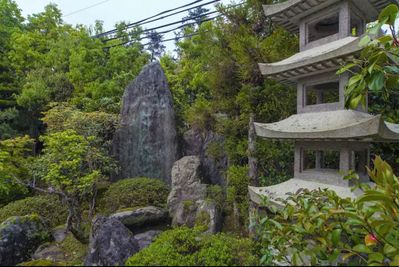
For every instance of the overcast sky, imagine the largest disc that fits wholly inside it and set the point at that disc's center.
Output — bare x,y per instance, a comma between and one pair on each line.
110,11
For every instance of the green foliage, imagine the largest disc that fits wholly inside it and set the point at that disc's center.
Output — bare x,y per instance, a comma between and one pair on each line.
14,163
190,247
74,251
43,263
378,63
320,228
69,164
134,193
237,202
215,193
50,208
200,115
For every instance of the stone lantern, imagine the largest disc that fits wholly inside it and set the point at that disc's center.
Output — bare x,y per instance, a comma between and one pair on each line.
329,139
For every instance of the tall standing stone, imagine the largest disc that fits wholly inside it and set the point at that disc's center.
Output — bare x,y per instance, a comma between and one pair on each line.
145,143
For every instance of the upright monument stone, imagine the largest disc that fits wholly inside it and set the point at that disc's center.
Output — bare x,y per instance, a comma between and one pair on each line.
145,143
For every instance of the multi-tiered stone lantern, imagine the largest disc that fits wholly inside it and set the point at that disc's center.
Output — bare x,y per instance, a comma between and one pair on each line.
329,139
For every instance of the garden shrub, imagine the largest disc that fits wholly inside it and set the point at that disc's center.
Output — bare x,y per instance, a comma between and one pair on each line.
320,228
49,208
191,247
15,193
134,193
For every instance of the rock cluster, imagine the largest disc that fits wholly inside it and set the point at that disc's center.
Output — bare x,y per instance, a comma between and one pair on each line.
187,200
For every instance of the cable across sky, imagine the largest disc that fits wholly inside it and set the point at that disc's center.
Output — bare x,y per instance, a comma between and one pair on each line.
157,17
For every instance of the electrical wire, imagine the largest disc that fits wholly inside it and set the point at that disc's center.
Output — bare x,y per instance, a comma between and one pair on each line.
169,24
151,19
164,32
85,8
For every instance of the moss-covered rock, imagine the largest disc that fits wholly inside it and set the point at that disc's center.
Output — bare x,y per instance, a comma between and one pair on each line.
191,247
134,193
49,208
20,237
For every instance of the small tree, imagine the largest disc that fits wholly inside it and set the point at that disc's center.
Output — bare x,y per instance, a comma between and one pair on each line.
69,167
155,45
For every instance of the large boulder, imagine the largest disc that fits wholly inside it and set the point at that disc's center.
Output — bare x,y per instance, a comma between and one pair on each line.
207,145
187,192
111,243
142,217
20,237
145,143
145,239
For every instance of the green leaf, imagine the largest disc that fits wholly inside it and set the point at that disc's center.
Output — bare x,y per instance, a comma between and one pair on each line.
347,256
377,81
389,14
362,249
385,39
376,258
365,41
388,249
392,69
336,236
374,197
354,103
346,68
395,261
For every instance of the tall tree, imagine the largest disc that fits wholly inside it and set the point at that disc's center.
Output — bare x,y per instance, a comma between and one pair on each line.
10,21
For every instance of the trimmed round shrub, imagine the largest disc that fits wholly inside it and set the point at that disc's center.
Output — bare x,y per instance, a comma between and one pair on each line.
191,247
134,193
49,208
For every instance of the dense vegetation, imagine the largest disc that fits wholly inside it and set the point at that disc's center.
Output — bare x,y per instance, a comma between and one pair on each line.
191,247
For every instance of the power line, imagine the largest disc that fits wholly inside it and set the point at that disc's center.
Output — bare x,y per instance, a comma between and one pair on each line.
170,30
151,19
169,24
85,8
165,32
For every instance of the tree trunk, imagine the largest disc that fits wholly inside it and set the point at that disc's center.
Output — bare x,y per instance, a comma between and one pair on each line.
74,222
252,161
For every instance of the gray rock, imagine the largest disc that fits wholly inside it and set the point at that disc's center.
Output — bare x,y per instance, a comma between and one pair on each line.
187,191
49,252
141,217
145,239
145,143
200,144
20,237
212,214
59,234
111,243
